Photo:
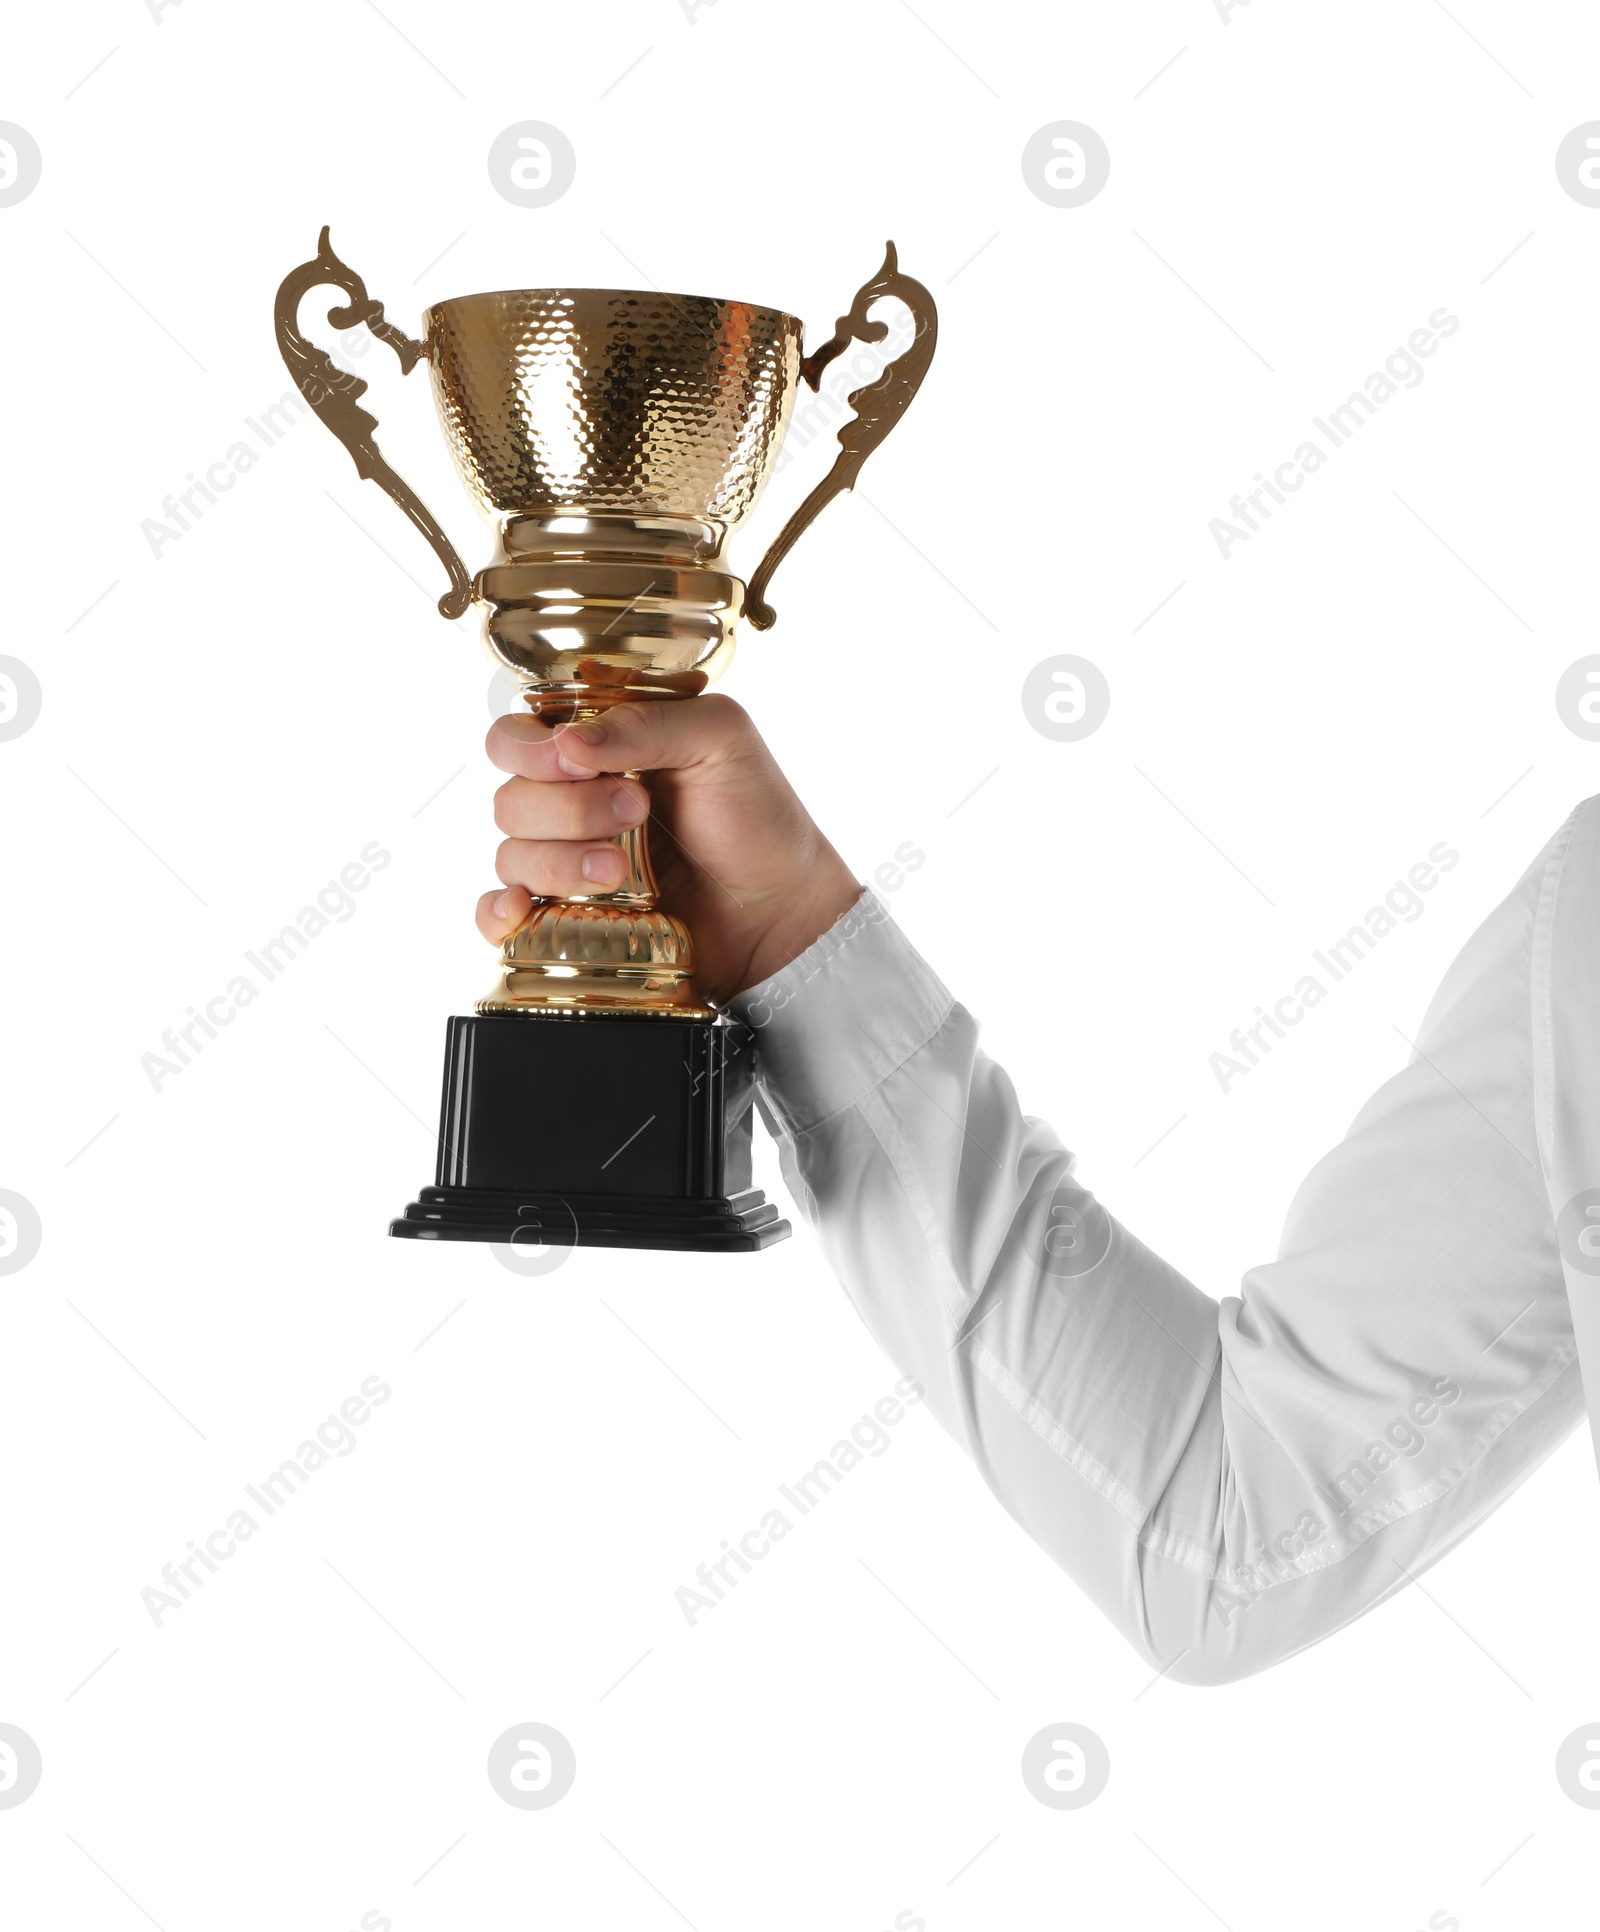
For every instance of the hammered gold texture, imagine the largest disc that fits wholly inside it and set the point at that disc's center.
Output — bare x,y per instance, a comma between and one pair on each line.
613,400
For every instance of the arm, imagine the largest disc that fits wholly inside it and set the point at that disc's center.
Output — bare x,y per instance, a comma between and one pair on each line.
1229,1482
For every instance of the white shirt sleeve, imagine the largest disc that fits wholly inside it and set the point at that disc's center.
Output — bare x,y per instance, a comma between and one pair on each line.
1229,1481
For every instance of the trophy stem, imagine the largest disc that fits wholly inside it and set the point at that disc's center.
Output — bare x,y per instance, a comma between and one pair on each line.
638,889
604,953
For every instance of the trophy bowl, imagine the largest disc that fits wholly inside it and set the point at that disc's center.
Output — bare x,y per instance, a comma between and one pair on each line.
612,401
615,439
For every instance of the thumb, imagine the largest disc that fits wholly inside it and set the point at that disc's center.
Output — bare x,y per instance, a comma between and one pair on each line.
653,735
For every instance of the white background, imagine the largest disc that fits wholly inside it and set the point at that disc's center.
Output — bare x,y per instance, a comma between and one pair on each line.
1374,671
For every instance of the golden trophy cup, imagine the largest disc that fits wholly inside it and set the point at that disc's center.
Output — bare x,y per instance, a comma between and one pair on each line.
615,438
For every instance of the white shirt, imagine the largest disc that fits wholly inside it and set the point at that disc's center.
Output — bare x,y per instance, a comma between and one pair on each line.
1228,1481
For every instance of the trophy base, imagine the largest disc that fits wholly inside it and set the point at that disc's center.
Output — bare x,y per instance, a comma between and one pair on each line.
741,1224
608,1132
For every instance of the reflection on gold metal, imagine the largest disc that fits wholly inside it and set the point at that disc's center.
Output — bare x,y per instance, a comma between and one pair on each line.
615,438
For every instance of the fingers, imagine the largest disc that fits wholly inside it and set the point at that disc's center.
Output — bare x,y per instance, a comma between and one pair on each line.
564,800
500,913
643,736
557,868
595,808
544,869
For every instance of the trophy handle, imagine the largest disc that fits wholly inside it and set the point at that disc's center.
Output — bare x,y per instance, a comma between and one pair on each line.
878,407
332,393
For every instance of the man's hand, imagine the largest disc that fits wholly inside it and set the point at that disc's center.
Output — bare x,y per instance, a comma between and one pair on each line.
736,854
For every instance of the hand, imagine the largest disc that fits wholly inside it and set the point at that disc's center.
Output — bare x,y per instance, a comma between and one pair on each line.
737,856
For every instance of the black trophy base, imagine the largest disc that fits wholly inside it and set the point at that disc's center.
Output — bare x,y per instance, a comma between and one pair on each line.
598,1132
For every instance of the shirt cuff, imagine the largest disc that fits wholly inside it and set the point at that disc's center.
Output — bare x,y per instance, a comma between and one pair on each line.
838,1020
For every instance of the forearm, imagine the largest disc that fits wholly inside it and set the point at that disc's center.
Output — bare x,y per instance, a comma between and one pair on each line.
1189,1463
